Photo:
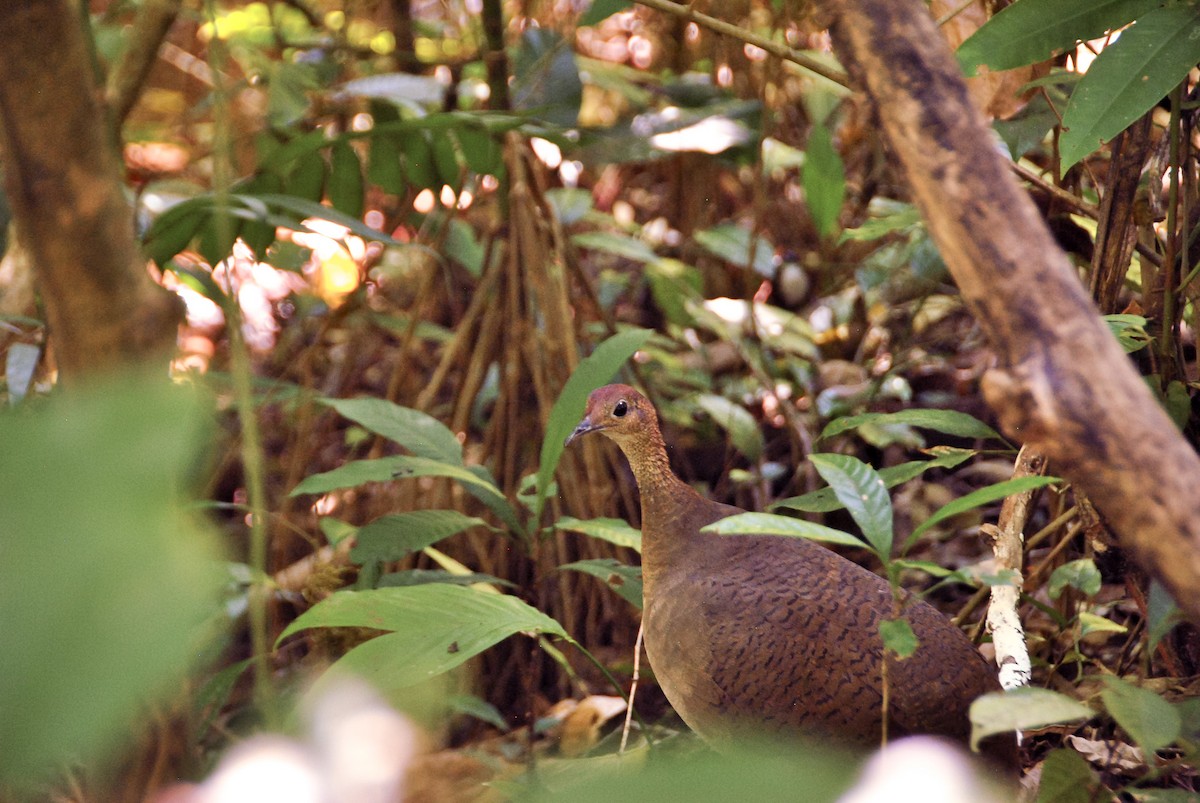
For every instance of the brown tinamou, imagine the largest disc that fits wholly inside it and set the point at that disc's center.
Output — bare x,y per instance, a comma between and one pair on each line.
777,635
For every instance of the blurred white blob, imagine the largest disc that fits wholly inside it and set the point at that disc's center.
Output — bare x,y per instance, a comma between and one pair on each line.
922,769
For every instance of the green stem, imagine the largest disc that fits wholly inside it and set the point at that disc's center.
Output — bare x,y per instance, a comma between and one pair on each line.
241,372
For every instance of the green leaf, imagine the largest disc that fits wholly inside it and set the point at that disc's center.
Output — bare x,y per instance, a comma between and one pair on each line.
1162,613
1129,76
448,159
1130,331
1066,778
173,230
733,243
345,180
107,575
949,422
419,164
614,531
824,181
336,531
863,493
307,178
593,371
384,167
1092,623
1149,720
570,204
304,208
771,524
1030,31
824,500
385,469
601,10
1081,574
546,78
479,148
416,577
1022,709
898,636
482,710
416,431
981,497
736,420
621,245
397,536
432,628
623,579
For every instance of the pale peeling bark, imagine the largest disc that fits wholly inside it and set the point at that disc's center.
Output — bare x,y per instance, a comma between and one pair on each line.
1063,385
63,181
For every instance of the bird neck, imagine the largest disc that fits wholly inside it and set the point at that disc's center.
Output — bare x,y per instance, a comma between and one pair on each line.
663,494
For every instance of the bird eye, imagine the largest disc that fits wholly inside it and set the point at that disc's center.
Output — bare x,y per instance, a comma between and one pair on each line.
621,408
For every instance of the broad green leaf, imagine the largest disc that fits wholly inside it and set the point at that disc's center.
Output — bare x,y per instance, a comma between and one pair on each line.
734,244
1066,778
981,497
1162,612
386,469
1021,709
863,493
1150,720
307,177
621,245
345,180
384,167
304,208
824,180
448,159
824,500
416,577
570,204
949,422
1030,31
479,148
1130,331
1129,76
601,10
1092,623
432,628
416,431
898,636
771,524
623,579
418,160
546,78
107,574
173,230
482,710
464,247
736,420
614,531
1080,574
593,371
336,531
397,536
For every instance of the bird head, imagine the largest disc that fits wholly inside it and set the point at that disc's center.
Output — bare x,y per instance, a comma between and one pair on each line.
619,412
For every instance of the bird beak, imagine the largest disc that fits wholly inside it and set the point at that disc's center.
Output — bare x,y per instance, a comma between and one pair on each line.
585,426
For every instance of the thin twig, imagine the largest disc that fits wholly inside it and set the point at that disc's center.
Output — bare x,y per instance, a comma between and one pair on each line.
637,668
741,34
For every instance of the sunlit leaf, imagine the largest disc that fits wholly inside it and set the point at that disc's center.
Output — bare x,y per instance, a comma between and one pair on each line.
771,524
614,531
420,433
898,636
864,495
1129,77
431,628
1080,574
734,244
1029,31
949,422
824,500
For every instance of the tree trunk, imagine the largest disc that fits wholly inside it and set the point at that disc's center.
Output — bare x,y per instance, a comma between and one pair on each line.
63,181
1063,385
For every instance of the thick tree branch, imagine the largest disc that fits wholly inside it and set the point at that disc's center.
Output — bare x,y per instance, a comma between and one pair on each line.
154,20
1063,386
63,182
